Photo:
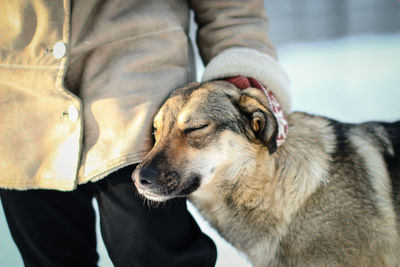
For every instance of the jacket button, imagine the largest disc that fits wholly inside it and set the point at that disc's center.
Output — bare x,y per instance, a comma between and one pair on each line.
72,113
59,50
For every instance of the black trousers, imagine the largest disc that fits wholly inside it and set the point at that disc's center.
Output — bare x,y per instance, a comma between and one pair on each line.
54,228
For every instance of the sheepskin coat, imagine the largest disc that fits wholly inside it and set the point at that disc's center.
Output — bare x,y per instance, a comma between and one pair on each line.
81,80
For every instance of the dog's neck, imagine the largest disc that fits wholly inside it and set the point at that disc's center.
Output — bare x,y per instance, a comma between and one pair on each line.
301,164
276,188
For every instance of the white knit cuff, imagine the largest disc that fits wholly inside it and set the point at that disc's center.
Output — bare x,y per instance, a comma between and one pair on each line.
251,63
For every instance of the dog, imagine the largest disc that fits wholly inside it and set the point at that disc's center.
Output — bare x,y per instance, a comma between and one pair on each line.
328,196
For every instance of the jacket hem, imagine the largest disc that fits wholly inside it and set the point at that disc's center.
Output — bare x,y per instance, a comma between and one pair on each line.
111,166
23,186
105,170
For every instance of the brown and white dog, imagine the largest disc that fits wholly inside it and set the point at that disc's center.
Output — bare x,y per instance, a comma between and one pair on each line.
329,196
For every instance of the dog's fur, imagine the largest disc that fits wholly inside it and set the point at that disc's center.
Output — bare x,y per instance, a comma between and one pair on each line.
329,196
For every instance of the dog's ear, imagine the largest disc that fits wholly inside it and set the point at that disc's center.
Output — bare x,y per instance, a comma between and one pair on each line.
254,103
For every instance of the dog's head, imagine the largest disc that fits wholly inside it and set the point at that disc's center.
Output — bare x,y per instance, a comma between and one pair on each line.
205,132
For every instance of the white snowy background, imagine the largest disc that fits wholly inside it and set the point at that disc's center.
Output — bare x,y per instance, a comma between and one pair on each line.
352,79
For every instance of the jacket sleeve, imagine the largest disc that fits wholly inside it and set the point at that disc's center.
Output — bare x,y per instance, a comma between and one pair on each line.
232,40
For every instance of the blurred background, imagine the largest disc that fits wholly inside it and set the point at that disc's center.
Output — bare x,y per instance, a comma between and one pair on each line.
343,60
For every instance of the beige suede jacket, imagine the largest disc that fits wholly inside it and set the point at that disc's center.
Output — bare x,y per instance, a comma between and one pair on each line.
81,81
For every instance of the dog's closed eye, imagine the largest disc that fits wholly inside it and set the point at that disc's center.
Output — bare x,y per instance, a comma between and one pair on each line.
189,130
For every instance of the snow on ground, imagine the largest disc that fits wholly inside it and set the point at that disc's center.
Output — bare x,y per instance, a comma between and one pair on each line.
351,79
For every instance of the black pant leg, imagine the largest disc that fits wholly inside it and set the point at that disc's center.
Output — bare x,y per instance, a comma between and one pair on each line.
138,235
52,228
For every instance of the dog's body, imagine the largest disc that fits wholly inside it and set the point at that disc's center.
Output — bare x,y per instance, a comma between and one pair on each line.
329,196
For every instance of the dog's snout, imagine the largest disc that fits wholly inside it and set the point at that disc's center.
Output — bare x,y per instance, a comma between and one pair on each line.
147,176
145,181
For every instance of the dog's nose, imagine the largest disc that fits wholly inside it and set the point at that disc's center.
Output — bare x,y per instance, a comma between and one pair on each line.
147,176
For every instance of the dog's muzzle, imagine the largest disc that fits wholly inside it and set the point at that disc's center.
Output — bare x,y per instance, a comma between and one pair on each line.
154,184
146,177
159,186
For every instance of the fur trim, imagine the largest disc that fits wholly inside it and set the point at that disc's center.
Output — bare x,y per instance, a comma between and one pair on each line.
251,63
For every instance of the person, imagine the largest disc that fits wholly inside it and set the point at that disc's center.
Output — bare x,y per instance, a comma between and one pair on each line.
79,84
